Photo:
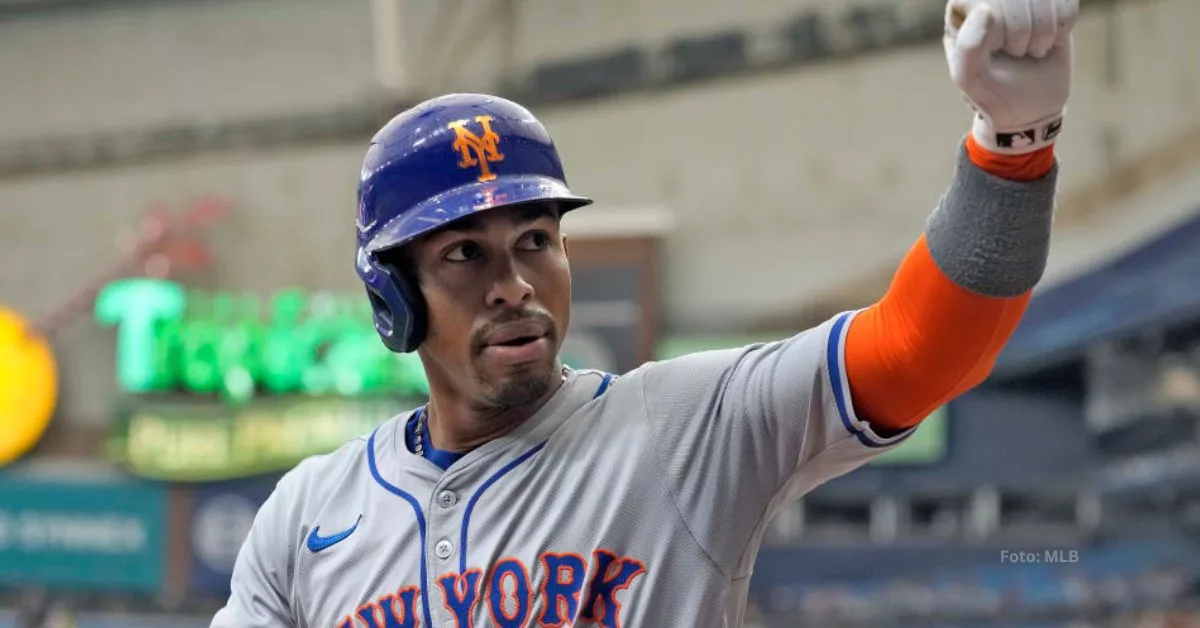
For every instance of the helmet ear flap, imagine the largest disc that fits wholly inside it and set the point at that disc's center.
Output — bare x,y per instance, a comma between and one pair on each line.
418,318
398,307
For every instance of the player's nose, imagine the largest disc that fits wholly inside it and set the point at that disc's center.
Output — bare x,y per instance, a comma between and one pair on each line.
509,286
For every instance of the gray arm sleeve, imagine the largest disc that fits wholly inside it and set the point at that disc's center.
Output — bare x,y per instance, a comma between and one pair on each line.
262,575
990,235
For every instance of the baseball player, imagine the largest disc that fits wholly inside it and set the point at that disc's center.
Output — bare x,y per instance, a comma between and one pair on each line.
529,494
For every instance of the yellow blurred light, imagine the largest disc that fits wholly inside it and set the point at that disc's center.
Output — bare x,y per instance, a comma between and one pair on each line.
28,386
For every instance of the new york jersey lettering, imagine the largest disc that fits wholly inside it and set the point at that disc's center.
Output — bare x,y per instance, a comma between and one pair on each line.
460,593
562,583
394,610
508,595
511,593
612,574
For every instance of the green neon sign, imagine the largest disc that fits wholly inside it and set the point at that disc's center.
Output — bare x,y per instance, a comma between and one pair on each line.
237,346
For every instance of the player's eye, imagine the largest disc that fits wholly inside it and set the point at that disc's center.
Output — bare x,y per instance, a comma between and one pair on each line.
534,241
463,252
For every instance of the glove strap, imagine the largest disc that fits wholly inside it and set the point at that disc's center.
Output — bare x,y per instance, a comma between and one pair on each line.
1027,139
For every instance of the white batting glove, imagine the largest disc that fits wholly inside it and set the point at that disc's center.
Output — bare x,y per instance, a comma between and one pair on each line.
1012,60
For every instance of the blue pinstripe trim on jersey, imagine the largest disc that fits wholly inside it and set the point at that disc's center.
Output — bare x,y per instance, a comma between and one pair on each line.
462,542
420,522
603,385
466,525
833,354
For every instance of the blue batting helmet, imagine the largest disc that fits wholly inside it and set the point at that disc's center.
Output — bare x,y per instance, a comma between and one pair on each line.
440,161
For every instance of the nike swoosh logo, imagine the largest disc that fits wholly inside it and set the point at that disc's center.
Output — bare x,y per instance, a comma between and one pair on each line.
316,542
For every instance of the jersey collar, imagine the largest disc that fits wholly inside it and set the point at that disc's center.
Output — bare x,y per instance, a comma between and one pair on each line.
397,460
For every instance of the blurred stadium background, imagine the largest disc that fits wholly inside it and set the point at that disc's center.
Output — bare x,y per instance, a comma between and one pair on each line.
176,218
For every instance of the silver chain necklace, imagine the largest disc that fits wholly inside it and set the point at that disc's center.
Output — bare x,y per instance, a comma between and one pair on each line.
419,449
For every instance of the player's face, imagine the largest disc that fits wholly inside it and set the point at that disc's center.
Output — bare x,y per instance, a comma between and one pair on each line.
498,289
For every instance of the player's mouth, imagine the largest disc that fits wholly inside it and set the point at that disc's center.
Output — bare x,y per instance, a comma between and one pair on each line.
518,343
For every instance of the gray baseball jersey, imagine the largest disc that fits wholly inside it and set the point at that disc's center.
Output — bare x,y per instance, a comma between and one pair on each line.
639,500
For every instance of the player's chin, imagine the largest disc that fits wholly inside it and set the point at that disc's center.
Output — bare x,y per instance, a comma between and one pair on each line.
521,388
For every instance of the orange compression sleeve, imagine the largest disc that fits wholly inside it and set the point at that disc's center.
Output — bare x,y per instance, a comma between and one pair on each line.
928,339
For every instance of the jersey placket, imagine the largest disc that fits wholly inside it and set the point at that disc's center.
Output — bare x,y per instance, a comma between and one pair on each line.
445,508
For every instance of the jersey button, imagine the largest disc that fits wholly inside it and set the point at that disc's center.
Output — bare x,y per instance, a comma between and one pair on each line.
447,499
443,549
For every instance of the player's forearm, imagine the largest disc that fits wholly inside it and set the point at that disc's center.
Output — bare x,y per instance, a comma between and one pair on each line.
991,232
959,293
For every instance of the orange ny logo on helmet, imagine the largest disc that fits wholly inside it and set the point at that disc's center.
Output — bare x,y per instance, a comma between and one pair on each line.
477,150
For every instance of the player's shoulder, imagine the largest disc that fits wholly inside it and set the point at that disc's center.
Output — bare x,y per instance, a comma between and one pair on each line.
709,362
320,467
321,477
707,366
597,390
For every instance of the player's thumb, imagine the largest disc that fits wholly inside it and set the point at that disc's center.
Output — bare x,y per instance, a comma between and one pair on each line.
980,35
